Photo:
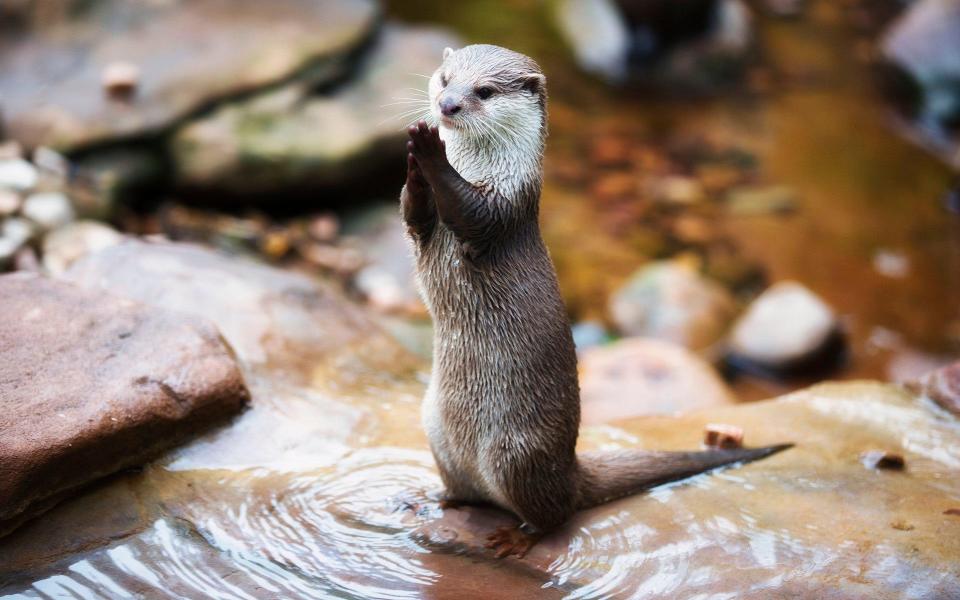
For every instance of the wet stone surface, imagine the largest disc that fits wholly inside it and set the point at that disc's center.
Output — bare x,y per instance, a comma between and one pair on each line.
52,78
92,383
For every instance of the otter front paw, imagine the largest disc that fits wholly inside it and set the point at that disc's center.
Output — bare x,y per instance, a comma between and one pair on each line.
427,148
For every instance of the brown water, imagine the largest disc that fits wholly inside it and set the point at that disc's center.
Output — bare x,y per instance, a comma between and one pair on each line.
318,491
865,196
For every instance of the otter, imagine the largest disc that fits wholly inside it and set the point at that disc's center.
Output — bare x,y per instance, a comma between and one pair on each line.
502,409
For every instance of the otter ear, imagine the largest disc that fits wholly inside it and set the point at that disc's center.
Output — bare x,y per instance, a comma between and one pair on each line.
534,82
447,52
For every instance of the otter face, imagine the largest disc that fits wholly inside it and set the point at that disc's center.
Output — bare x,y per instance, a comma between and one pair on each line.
488,91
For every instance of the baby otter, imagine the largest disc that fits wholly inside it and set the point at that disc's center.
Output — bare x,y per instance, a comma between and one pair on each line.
502,409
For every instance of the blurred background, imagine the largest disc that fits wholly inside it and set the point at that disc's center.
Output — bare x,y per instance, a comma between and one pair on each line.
742,198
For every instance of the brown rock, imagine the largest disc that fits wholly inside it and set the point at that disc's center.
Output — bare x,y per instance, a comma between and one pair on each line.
718,435
641,376
92,383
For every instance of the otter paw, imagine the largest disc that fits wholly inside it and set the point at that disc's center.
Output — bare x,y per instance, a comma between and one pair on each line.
416,183
510,540
426,146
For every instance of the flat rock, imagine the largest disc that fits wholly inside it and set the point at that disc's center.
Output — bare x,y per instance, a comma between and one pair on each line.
293,138
189,54
642,376
92,383
267,315
786,328
671,300
810,522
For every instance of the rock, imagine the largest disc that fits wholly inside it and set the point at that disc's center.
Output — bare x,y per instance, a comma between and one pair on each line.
792,523
26,259
388,279
17,174
49,210
691,43
120,79
62,247
92,383
9,203
189,54
676,189
942,386
638,376
598,35
787,328
14,234
268,316
882,459
750,201
670,300
291,138
922,42
10,150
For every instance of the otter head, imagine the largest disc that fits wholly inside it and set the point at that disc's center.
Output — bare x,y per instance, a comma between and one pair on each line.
489,93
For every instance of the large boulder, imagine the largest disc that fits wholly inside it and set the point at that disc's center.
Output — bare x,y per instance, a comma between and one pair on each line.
295,138
188,55
640,376
269,316
92,383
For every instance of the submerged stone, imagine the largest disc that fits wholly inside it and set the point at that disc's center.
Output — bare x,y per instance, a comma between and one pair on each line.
639,376
92,383
189,54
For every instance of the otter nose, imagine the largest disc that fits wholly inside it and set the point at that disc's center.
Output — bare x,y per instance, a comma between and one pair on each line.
449,106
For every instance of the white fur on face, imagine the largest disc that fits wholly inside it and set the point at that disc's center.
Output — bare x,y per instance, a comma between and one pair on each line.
495,142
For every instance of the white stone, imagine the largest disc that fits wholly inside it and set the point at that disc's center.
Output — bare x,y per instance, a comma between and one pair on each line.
49,210
64,246
17,174
785,324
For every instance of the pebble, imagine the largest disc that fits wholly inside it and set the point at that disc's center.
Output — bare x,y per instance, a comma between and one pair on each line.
17,174
750,201
49,210
881,459
62,247
10,149
587,334
120,79
324,227
676,189
785,326
9,202
726,437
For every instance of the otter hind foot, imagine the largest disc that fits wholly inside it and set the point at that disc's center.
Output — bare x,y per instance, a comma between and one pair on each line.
512,540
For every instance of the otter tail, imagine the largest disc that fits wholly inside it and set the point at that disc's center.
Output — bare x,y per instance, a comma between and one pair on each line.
608,475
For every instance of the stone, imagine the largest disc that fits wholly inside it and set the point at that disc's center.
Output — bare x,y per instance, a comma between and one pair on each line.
14,234
387,280
639,376
677,189
10,150
10,202
189,54
291,138
720,435
670,300
588,334
17,174
93,383
697,43
922,42
62,247
49,210
942,386
784,329
792,523
268,316
120,79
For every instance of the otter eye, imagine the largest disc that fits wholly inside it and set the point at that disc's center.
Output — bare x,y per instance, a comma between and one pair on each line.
443,80
483,92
